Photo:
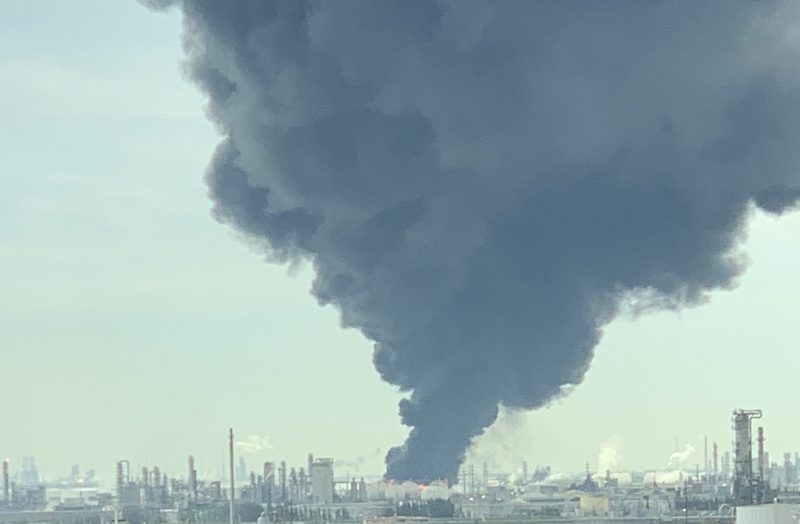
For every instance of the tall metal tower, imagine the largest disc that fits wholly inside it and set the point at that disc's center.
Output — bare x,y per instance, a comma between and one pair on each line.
269,483
233,476
6,491
761,480
715,463
192,478
744,485
282,481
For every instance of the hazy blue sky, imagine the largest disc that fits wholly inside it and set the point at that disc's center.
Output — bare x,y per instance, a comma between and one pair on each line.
134,326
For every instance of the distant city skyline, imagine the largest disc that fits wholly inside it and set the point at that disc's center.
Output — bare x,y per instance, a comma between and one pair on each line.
134,326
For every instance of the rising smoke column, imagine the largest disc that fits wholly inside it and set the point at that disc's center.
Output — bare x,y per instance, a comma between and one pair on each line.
480,186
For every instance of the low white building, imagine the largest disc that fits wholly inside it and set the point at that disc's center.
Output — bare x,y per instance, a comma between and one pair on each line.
768,514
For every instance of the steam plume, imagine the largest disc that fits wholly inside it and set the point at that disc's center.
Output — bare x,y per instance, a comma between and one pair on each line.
480,185
254,444
679,458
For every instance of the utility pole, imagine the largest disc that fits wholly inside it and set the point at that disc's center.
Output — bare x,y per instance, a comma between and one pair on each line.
230,457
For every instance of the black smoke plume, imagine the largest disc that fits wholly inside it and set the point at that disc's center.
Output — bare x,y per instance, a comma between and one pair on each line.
481,186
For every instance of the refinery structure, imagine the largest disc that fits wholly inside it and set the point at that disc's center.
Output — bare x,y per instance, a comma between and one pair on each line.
740,485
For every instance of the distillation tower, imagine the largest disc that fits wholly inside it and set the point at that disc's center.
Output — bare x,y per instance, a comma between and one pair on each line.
745,486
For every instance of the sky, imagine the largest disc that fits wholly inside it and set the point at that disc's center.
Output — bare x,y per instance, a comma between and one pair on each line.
135,326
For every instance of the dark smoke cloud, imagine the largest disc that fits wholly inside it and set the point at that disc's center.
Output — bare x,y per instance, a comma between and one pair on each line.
481,185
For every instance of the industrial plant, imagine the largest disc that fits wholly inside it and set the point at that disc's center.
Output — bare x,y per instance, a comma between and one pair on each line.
740,485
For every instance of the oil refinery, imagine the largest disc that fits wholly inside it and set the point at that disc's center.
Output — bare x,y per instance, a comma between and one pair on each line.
742,485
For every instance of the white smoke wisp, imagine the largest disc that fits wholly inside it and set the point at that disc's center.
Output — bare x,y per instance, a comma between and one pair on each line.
253,444
678,458
361,462
609,458
671,477
505,444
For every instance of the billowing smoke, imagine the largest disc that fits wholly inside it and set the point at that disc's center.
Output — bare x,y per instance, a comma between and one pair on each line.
480,186
679,457
609,458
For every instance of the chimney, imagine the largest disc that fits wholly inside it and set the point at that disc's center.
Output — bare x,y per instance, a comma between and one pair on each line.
6,494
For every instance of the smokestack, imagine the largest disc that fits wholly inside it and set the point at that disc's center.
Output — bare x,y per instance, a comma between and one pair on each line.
145,485
715,455
301,479
282,480
481,220
120,479
472,479
192,478
761,464
726,466
269,482
233,474
6,485
705,457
